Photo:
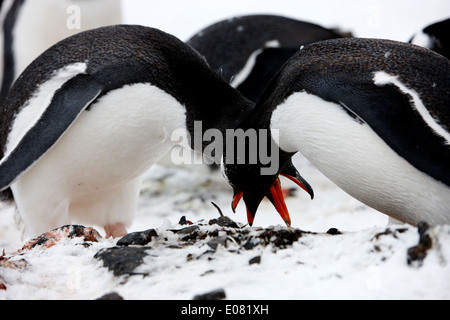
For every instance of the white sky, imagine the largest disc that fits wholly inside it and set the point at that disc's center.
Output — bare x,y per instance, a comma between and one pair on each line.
391,19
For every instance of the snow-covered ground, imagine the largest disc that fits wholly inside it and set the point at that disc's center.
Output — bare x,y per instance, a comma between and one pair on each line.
367,260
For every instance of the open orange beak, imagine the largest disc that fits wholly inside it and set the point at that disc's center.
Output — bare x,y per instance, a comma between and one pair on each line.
278,202
276,197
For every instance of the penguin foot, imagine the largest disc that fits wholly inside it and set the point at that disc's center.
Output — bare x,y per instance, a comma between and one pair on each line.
116,230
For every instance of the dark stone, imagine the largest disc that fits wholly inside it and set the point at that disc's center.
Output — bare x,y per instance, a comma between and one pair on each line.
333,231
416,254
122,260
137,238
213,295
52,237
224,221
280,238
183,221
390,232
214,243
111,296
255,260
249,245
186,230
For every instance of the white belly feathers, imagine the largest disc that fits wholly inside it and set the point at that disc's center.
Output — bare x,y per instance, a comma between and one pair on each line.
101,156
354,157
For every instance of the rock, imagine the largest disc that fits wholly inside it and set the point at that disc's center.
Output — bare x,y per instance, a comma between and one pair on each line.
184,222
333,231
111,296
224,221
416,254
214,243
255,260
213,295
137,238
122,260
2,284
249,245
280,238
50,238
186,230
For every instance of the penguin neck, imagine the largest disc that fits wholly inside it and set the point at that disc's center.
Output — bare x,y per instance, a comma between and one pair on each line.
269,154
212,102
218,106
262,119
183,73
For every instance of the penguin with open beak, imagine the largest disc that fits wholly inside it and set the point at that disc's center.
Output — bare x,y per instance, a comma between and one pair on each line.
372,115
94,112
247,51
251,185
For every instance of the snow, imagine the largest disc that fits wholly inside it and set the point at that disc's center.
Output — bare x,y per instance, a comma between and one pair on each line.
363,262
360,263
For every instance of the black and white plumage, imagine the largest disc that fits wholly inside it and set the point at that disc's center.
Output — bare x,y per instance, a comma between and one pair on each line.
435,37
30,27
247,51
9,10
87,118
374,117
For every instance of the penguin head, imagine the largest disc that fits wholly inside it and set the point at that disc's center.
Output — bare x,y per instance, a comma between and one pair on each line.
254,181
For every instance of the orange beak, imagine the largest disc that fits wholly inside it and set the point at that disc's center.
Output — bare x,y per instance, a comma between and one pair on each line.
276,197
300,184
237,198
278,202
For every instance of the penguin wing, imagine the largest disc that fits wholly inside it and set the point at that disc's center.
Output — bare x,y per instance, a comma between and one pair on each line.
67,104
395,117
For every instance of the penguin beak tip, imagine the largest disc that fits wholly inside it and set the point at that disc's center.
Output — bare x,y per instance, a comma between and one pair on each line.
236,199
276,196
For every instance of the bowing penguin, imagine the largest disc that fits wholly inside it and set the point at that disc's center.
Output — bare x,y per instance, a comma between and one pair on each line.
372,115
247,51
90,115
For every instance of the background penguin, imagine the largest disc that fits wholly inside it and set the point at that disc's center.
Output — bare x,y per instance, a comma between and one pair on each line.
29,27
374,117
435,37
248,51
87,118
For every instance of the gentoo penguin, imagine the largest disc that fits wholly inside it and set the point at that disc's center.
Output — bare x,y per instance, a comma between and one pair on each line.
29,27
90,115
247,51
372,115
435,37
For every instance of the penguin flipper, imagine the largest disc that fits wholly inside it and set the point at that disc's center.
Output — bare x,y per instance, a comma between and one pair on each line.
395,118
67,104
